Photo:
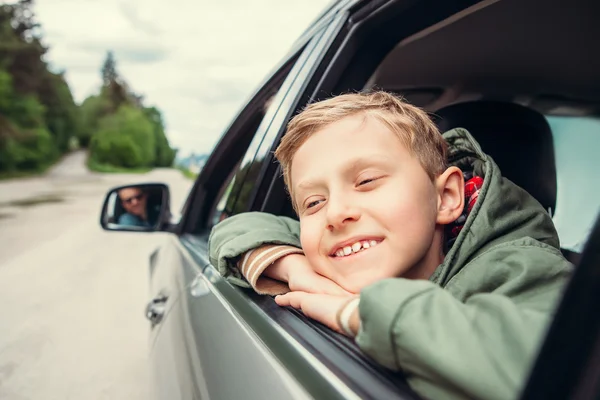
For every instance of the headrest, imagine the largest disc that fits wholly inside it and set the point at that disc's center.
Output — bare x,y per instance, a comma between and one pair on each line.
519,140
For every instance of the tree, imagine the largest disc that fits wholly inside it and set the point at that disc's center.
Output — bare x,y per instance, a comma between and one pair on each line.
37,111
124,139
21,51
165,155
62,116
39,118
109,69
113,87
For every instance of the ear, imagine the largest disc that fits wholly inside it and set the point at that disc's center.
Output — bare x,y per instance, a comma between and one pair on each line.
450,186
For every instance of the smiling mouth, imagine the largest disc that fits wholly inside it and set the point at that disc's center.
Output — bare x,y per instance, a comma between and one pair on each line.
355,248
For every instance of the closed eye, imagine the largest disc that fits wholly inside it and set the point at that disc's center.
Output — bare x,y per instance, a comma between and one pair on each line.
367,181
313,203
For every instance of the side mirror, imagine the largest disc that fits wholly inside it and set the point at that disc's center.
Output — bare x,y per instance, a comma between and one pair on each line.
140,208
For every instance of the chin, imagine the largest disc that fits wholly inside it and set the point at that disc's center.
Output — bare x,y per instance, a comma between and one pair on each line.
356,284
366,277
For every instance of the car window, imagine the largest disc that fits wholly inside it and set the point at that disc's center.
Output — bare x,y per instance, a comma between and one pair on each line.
243,173
220,213
227,197
576,144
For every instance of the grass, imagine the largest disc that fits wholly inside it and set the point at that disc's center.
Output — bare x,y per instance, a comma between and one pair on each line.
188,174
111,169
5,175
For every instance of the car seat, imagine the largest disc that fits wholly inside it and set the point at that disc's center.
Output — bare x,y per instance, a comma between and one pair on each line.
518,138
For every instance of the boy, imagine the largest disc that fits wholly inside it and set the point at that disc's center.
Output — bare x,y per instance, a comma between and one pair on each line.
457,282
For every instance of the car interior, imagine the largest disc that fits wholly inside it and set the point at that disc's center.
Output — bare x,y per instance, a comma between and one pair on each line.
531,97
504,84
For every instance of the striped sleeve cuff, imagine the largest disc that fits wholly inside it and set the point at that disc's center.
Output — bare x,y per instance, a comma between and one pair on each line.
254,262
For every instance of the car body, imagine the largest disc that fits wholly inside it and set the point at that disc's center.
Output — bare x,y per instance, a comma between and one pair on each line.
210,339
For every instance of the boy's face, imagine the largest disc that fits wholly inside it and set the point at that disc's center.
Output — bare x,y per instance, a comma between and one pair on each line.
368,210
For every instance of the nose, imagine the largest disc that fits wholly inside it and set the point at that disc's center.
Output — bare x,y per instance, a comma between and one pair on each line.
341,211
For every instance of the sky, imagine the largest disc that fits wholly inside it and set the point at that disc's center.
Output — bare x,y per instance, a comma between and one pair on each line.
198,61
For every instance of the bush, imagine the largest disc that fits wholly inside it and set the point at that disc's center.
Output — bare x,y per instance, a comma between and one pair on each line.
165,155
114,149
125,139
93,109
31,150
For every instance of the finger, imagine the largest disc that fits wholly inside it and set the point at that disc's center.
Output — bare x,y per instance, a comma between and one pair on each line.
282,300
293,299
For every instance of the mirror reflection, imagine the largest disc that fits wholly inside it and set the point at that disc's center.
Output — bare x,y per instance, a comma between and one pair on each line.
137,206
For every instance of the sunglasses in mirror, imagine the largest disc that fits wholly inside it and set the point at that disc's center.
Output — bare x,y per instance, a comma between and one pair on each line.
137,197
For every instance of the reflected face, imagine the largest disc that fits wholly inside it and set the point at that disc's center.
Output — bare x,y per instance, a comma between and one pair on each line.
133,201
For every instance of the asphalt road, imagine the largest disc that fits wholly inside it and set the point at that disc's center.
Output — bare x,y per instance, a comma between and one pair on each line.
72,296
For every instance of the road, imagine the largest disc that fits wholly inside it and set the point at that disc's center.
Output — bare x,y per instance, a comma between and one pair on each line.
72,295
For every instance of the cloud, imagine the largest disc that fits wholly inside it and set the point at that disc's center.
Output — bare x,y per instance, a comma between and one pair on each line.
125,52
132,14
196,60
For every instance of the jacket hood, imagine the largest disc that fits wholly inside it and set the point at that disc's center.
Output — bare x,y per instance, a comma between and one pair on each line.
504,212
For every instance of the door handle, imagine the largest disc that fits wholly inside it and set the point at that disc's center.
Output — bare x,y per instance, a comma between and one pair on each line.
155,310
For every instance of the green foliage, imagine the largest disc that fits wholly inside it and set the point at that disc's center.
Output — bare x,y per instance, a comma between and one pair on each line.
33,150
122,133
37,111
124,139
165,155
92,110
62,116
188,174
25,142
39,119
109,69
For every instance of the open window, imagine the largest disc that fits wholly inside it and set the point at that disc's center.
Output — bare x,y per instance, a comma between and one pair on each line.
542,110
443,55
217,188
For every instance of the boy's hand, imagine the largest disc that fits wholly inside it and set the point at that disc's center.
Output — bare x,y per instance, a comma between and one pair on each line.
297,272
321,307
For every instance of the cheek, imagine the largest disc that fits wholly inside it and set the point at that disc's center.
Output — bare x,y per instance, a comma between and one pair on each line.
310,239
412,200
409,216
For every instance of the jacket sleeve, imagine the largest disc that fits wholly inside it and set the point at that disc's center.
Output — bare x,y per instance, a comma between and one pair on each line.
253,263
480,347
233,237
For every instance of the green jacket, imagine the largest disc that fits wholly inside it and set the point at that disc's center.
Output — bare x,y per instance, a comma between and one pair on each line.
473,329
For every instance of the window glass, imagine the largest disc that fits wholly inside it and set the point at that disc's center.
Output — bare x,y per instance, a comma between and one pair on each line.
576,144
229,193
220,212
240,182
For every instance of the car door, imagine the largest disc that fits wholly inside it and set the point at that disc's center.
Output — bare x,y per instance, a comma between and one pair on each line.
199,348
221,341
224,342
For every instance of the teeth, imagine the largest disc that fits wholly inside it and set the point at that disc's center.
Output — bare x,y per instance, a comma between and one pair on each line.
355,248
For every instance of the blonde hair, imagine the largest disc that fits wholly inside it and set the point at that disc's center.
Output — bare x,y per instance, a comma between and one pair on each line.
412,125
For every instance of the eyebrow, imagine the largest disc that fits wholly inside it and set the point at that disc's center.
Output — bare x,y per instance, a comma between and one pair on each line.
361,162
352,166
